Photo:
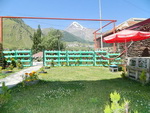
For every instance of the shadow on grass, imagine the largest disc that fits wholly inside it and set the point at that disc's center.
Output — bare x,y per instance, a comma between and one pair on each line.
76,96
110,84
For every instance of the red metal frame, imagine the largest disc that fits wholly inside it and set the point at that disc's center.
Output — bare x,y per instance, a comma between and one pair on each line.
96,42
57,18
95,33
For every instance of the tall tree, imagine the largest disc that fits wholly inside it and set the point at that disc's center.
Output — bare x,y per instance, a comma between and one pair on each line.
37,39
53,40
39,34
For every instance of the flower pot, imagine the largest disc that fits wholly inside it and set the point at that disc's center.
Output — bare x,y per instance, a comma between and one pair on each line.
43,72
8,71
31,82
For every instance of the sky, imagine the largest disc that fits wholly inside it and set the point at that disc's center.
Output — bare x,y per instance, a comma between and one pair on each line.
120,10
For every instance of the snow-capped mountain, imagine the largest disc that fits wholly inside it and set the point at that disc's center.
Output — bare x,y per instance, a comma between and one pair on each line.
75,25
80,31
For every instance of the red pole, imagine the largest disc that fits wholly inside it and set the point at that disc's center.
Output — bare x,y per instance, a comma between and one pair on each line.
95,47
114,44
59,18
103,26
1,30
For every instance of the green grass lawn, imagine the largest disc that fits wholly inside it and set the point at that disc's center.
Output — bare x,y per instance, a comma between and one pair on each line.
76,90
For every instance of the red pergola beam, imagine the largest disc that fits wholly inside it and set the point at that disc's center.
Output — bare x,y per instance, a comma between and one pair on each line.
1,21
104,26
96,43
57,18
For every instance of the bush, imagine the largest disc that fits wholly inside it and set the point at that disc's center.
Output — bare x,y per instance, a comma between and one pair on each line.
1,69
115,106
5,95
13,62
123,74
142,77
4,63
10,67
19,64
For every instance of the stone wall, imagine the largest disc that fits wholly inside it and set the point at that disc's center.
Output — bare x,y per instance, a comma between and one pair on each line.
138,48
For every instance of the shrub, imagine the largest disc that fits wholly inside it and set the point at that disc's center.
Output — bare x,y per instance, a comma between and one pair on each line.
142,77
10,67
4,63
19,64
115,106
123,74
13,62
5,95
1,69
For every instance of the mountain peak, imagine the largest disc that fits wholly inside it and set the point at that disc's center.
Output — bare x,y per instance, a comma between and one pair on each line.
80,31
76,25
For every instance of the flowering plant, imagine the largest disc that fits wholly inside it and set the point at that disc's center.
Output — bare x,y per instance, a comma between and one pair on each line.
30,76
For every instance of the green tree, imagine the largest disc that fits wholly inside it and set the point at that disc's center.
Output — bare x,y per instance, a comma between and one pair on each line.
37,39
53,41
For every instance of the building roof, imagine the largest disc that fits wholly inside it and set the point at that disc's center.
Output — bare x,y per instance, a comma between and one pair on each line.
39,54
141,26
124,25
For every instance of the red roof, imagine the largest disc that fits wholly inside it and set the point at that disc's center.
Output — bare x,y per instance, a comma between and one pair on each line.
39,54
142,26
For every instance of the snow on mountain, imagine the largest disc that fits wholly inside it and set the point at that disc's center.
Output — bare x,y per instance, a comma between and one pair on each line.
75,25
80,31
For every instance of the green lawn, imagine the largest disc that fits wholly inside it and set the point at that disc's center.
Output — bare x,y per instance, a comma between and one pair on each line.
76,90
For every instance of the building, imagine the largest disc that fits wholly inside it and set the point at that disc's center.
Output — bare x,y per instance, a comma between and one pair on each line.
139,48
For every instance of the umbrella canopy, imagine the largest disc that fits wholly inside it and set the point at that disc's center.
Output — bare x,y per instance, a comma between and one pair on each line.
126,36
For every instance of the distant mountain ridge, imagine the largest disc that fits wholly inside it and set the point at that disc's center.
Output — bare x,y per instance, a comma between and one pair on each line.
67,37
18,35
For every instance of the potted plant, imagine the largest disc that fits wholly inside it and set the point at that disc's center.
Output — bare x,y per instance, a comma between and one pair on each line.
30,78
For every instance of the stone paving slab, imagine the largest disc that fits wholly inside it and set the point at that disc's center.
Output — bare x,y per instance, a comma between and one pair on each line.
16,78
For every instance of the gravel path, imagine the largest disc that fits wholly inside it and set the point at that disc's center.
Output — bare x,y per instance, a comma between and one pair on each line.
16,78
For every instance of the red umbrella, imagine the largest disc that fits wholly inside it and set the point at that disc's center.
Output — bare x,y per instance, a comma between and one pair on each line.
126,36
